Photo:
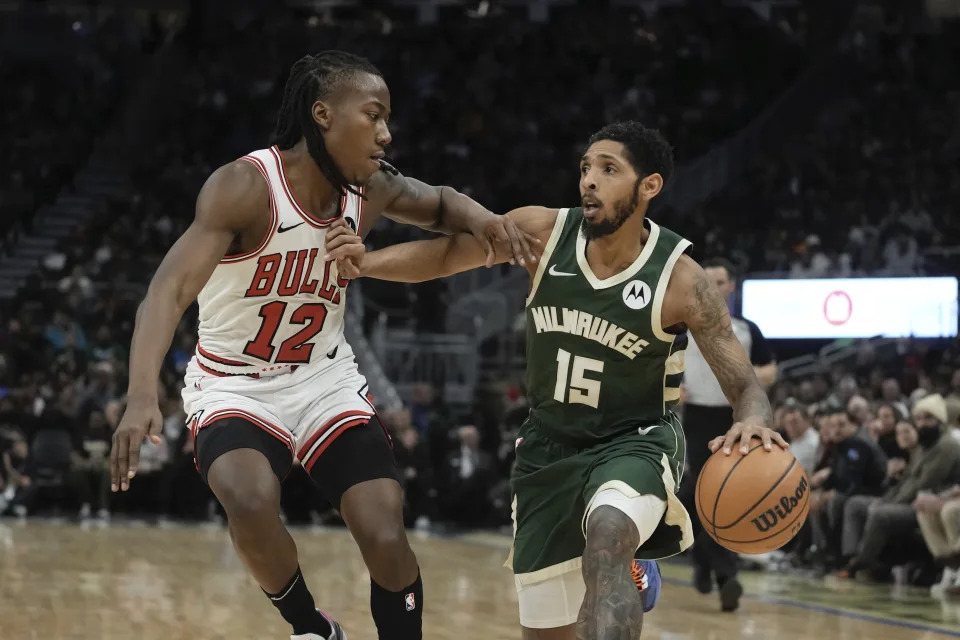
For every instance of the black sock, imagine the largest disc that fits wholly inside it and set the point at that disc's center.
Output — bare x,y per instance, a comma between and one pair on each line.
296,606
398,614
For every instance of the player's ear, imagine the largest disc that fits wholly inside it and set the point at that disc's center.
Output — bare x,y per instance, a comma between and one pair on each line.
322,114
651,186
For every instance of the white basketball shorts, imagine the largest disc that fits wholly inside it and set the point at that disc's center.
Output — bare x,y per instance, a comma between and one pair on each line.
306,409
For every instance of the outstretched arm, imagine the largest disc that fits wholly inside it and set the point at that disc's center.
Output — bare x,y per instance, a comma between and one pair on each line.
445,210
703,310
437,257
424,260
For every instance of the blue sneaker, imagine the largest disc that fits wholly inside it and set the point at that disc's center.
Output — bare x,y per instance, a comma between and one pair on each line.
646,574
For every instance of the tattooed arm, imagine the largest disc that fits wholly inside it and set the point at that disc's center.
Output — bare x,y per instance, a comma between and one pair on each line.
695,302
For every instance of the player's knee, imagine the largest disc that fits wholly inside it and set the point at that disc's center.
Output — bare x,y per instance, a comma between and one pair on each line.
388,556
259,502
611,534
386,542
247,497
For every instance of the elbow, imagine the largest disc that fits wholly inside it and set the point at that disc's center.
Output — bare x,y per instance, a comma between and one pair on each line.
438,223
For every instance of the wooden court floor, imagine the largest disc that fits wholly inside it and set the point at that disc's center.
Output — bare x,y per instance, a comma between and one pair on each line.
63,581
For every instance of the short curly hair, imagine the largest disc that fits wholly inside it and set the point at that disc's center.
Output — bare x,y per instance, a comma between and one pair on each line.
647,150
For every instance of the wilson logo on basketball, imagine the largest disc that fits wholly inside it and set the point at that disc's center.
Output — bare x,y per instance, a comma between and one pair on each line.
769,518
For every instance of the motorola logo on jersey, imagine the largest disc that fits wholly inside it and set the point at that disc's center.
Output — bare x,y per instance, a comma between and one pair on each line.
637,294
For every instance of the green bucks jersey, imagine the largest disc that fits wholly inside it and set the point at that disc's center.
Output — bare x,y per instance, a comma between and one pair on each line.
599,363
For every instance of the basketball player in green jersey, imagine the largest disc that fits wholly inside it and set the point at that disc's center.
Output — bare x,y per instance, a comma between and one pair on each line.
600,456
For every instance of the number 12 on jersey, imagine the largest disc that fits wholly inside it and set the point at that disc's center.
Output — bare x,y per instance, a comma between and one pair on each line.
581,389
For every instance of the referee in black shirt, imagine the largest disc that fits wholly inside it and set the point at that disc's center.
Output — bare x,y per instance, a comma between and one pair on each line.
706,415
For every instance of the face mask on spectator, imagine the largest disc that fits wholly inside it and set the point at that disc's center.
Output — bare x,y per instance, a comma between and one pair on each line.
928,436
929,414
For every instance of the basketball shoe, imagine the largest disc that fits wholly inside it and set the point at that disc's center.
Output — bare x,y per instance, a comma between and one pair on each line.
337,634
646,575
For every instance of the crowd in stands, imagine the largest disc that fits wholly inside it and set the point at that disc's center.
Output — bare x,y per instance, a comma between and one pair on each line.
869,190
884,467
47,139
500,111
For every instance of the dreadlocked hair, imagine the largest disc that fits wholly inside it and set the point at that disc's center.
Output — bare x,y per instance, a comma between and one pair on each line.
313,77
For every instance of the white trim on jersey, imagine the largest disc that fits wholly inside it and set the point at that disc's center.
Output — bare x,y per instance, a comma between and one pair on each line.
274,217
547,252
267,311
661,291
316,224
626,274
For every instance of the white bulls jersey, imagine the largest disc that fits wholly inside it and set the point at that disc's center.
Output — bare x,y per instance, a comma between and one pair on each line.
280,305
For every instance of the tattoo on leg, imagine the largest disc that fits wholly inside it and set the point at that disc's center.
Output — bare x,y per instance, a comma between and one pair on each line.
612,607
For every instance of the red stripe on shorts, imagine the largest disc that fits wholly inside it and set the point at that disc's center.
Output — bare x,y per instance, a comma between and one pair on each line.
272,429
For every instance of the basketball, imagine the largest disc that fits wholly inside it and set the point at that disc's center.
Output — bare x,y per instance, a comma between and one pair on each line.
755,502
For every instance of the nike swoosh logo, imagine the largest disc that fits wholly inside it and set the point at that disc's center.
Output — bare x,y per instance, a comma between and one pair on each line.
645,430
282,229
553,271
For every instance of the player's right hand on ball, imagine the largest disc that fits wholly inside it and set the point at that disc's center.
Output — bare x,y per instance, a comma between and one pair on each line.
141,419
346,247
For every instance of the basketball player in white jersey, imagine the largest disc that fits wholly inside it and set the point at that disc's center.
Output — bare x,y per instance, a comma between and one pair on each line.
272,379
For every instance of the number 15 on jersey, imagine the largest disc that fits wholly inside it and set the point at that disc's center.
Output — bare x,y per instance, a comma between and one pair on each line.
579,389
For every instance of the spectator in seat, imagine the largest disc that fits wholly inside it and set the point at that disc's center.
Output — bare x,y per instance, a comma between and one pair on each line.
16,473
805,446
890,389
466,481
939,517
152,491
883,430
908,446
933,465
859,407
191,498
413,463
804,439
858,508
89,473
856,467
953,404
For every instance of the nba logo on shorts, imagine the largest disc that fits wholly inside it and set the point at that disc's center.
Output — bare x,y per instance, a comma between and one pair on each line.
411,602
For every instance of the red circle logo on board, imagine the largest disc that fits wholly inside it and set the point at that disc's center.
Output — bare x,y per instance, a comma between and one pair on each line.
837,308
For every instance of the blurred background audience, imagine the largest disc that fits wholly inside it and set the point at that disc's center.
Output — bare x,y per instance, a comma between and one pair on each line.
852,173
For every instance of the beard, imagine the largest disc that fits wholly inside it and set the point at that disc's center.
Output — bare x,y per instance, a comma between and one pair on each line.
622,210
